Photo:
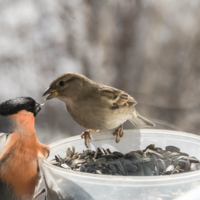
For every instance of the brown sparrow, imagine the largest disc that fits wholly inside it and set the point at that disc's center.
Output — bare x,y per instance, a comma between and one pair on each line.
95,106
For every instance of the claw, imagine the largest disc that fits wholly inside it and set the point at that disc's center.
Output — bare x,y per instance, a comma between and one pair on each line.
86,136
119,133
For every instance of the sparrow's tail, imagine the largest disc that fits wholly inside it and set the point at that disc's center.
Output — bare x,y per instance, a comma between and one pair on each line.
140,122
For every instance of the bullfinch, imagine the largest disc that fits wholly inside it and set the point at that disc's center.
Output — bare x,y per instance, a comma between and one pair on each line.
19,149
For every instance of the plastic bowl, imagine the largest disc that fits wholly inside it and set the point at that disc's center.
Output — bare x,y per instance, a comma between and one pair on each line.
69,185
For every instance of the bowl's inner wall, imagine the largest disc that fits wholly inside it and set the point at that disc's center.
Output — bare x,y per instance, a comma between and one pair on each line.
132,140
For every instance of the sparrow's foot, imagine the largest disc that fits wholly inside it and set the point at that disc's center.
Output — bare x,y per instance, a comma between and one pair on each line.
119,133
86,136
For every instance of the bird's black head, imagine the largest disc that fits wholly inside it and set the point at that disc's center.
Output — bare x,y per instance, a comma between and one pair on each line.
13,106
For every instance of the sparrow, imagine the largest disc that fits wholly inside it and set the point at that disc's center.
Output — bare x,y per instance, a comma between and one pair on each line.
95,106
19,149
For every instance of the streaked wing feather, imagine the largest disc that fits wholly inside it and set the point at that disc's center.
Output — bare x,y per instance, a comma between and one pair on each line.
118,97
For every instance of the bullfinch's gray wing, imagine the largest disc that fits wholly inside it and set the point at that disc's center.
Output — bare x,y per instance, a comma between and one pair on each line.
6,124
6,192
3,139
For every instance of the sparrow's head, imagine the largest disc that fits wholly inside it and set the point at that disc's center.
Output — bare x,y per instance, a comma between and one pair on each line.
65,86
13,106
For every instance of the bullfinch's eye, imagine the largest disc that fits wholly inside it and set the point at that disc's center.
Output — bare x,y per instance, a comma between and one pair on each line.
62,83
29,108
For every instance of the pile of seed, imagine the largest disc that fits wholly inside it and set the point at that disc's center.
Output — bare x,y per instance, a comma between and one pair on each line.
152,161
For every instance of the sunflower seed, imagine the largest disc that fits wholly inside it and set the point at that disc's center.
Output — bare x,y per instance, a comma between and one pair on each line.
151,161
172,148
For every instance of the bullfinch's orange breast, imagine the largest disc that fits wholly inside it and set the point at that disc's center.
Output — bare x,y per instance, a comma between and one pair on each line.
21,165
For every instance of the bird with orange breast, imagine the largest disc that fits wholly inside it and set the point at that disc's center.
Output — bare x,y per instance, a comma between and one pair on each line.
19,149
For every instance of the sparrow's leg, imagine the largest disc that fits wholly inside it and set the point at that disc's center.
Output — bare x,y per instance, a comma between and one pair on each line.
119,133
86,136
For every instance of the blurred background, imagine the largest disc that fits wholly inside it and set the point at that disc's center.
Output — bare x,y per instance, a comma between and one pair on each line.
150,49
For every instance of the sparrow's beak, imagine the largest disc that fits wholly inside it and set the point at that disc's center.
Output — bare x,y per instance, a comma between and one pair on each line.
51,92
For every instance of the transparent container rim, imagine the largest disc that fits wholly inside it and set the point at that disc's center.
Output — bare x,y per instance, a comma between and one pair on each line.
187,176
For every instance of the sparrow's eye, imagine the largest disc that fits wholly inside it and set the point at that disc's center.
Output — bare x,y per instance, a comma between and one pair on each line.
62,83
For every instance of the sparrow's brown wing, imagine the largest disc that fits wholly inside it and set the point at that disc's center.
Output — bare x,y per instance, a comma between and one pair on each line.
118,98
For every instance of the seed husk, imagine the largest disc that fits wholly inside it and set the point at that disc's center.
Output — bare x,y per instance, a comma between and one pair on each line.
130,167
172,148
153,161
156,171
151,146
140,171
121,168
147,171
187,166
113,168
161,164
170,168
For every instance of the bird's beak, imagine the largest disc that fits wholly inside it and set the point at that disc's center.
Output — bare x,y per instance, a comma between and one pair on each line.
37,108
51,92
